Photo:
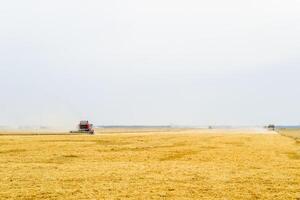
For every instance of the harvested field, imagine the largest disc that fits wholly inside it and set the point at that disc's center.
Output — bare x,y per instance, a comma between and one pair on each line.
166,165
293,133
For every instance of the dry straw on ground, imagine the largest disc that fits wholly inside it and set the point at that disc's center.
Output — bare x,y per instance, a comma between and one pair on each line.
182,165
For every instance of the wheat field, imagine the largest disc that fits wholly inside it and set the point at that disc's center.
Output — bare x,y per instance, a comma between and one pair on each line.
150,165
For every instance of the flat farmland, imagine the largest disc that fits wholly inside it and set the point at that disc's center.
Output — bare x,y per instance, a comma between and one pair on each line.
179,164
293,133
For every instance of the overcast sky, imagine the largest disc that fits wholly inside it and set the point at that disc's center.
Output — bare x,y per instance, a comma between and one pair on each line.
150,62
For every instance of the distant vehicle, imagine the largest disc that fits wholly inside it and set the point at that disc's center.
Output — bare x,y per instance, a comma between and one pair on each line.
271,127
85,127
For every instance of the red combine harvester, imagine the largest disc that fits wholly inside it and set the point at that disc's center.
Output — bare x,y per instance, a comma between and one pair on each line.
85,127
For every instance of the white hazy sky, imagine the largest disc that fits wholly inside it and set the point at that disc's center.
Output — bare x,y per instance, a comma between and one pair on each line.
150,62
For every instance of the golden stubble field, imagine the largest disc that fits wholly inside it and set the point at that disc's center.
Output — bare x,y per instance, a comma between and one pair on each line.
164,165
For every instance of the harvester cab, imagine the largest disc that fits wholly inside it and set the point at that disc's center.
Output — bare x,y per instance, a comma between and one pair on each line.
84,127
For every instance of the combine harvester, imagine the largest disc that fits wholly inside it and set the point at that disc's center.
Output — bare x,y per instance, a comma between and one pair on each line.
84,127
